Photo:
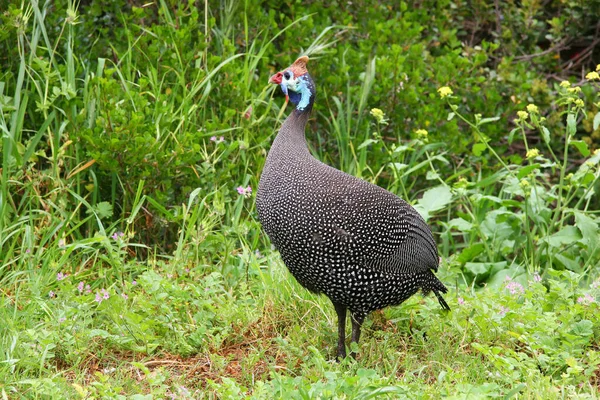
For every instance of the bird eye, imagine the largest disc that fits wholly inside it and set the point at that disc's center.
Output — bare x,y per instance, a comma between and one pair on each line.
287,75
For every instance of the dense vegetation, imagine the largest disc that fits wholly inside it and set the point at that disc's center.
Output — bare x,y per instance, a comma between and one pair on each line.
133,133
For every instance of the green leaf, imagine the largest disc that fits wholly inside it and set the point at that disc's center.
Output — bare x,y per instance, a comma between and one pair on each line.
488,120
366,143
478,149
583,328
432,175
515,390
568,263
478,268
567,235
511,135
523,172
545,134
103,209
588,228
451,116
582,147
571,124
471,252
398,166
596,120
460,224
436,198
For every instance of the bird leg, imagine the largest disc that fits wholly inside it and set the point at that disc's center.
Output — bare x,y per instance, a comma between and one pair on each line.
357,320
341,348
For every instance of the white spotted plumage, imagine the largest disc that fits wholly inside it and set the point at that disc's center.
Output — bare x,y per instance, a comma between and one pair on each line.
362,246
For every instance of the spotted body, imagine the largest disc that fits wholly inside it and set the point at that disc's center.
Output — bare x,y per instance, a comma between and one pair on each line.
360,245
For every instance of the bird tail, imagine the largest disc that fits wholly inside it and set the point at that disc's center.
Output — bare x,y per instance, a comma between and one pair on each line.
436,286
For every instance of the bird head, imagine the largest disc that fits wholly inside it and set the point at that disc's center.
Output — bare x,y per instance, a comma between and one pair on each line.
296,84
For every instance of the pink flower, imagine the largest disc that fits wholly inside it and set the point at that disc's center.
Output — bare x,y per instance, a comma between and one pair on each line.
62,319
117,235
101,296
461,301
537,277
515,287
586,300
504,310
60,276
124,296
244,191
52,294
81,286
217,140
134,282
88,289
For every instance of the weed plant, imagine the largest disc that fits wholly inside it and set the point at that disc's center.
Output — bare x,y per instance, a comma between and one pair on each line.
133,135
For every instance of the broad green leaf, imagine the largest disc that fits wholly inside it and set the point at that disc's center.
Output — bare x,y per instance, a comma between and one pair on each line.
523,172
588,228
571,124
366,143
431,175
488,120
436,198
471,252
460,224
569,263
103,209
478,268
478,148
582,147
545,134
567,235
478,198
511,135
398,166
583,328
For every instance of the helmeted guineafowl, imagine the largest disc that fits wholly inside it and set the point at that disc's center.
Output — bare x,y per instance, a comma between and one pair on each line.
362,246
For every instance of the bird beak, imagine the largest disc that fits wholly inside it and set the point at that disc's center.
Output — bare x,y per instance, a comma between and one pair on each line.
276,79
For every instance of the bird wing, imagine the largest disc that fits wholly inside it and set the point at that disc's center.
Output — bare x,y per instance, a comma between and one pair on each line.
379,227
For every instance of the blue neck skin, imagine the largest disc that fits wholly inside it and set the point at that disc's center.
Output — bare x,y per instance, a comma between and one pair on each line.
304,96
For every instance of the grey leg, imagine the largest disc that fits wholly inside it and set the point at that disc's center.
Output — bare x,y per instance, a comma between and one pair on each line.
341,348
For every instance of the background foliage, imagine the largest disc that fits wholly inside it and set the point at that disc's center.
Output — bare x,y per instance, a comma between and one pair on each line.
128,126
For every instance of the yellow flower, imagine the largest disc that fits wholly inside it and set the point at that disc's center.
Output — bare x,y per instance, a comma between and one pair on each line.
579,103
378,115
524,184
522,115
598,67
421,133
461,183
565,84
597,151
576,89
532,153
445,91
592,76
532,108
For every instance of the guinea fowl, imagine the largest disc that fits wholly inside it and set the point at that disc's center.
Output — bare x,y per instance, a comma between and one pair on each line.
360,245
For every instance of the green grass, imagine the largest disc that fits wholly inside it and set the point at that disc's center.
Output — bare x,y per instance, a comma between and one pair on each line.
130,267
181,328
